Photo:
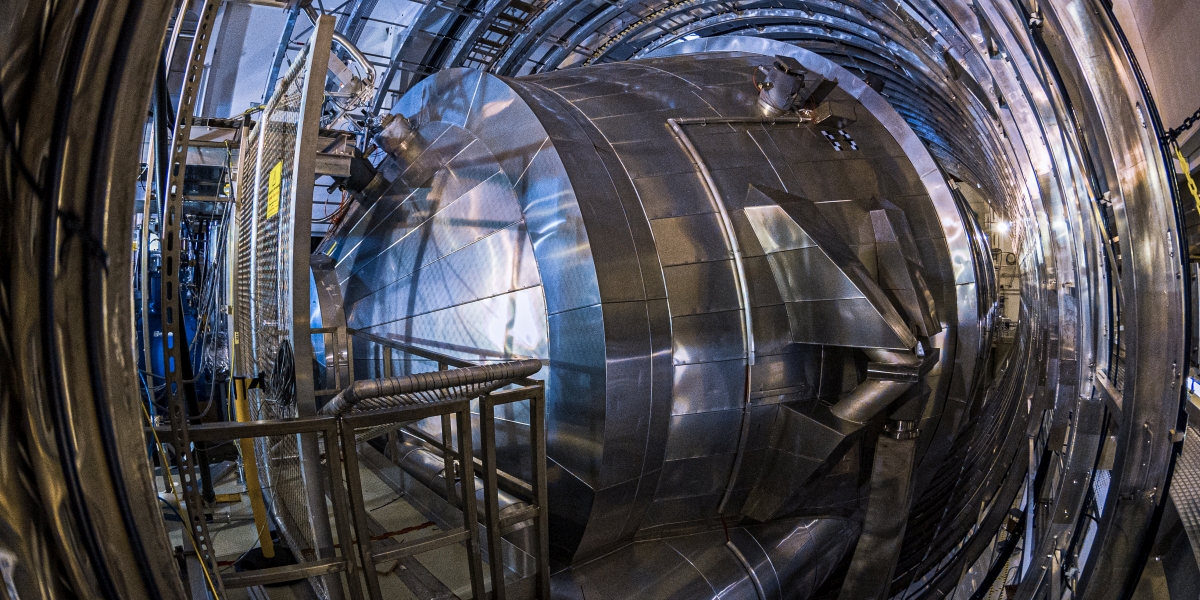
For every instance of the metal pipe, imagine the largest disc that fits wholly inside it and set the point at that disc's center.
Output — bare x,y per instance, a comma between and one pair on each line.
743,293
250,471
875,394
359,57
498,375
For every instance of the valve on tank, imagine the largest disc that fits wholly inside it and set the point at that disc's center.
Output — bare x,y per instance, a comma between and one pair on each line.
779,85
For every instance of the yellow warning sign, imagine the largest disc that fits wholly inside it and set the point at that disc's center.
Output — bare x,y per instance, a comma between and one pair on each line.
274,183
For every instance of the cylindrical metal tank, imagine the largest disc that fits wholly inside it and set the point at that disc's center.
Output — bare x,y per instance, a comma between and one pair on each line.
730,305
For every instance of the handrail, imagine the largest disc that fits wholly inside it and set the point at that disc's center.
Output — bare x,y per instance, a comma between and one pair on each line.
487,378
425,353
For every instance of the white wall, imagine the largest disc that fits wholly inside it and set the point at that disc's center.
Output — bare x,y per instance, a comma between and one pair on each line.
1165,36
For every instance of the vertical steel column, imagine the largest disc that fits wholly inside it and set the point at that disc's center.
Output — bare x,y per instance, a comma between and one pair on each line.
304,179
174,338
342,504
537,443
474,560
144,266
358,512
447,455
491,495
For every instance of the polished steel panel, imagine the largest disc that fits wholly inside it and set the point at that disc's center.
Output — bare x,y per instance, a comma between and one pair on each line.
845,304
617,246
691,435
703,287
708,386
690,239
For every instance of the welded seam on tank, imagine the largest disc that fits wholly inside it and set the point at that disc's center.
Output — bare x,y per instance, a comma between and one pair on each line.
422,228
698,570
743,291
371,229
741,558
384,219
643,471
778,581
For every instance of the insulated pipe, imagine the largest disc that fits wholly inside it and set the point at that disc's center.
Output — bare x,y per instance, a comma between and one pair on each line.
429,469
878,549
495,376
782,559
351,48
250,471
876,393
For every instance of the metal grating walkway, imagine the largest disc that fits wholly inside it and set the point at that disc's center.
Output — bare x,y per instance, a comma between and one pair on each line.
1185,487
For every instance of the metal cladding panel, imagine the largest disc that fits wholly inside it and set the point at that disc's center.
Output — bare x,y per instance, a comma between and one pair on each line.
809,274
570,516
647,125
454,222
666,512
522,137
826,322
628,391
649,569
703,387
827,289
650,158
558,234
702,287
675,194
618,272
647,485
692,434
627,254
803,435
722,570
482,269
690,239
663,381
575,392
772,335
496,327
612,506
791,375
775,232
708,337
449,100
691,477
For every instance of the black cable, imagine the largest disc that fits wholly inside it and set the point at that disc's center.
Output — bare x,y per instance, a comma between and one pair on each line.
281,385
10,143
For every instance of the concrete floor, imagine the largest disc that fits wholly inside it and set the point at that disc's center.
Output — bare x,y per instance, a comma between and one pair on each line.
438,574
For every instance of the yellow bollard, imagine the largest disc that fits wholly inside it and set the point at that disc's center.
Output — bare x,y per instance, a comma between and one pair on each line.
250,468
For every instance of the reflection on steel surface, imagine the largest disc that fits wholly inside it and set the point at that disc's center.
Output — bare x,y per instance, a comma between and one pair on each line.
702,282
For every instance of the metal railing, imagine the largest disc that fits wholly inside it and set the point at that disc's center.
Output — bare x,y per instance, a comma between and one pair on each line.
494,479
328,429
342,433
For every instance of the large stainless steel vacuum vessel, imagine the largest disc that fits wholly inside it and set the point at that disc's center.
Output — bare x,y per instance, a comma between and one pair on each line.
757,298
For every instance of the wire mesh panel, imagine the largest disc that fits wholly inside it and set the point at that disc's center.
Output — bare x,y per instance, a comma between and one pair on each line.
243,307
271,301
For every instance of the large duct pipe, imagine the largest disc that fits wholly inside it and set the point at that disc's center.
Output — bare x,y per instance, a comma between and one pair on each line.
785,559
451,384
700,295
870,397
